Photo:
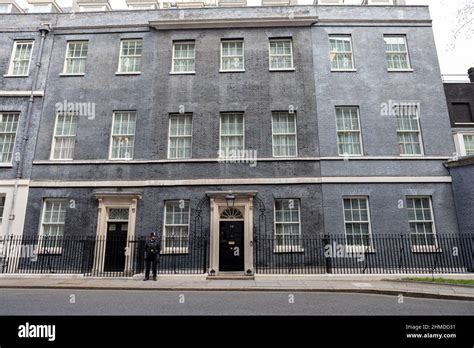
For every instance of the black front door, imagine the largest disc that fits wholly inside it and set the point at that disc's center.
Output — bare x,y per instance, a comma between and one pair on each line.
231,246
116,242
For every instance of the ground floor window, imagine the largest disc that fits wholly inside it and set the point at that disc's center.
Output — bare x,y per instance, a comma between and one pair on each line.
287,225
420,218
52,225
176,227
357,222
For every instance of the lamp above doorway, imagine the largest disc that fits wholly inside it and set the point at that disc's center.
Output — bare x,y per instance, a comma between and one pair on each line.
230,199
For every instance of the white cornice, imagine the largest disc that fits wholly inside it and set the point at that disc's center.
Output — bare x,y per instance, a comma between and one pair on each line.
233,23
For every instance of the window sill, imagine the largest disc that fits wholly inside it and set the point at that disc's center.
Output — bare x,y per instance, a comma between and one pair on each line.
177,159
426,249
281,70
399,70
232,71
7,75
183,73
50,251
6,165
118,73
351,155
414,155
343,70
121,159
70,75
284,157
174,251
359,249
464,123
61,159
288,249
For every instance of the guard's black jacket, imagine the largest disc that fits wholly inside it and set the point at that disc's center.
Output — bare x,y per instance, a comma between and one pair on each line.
152,248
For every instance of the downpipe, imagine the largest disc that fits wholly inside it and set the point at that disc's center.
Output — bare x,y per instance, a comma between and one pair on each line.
44,29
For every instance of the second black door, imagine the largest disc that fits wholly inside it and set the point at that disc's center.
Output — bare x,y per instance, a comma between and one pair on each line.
231,246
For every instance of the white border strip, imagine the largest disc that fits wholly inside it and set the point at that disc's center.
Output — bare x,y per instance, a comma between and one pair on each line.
246,181
21,93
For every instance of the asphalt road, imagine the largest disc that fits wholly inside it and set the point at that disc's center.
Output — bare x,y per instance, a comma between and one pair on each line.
124,302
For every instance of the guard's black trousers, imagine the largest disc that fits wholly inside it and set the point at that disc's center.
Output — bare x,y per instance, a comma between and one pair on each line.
150,262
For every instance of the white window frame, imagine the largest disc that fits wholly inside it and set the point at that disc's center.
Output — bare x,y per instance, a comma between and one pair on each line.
41,249
220,130
92,8
345,131
459,142
55,136
287,248
420,136
8,7
14,138
121,56
142,7
295,134
66,57
178,250
179,136
270,55
47,8
344,36
173,58
222,57
351,248
112,135
422,248
407,52
12,58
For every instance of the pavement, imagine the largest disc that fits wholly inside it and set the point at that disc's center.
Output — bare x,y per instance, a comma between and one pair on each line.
364,285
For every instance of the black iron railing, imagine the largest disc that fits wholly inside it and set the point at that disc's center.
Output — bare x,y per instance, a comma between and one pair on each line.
316,254
381,254
98,256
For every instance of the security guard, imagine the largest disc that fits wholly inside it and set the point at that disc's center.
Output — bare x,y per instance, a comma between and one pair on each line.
152,249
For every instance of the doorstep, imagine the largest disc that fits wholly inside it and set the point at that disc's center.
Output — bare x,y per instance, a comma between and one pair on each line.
230,276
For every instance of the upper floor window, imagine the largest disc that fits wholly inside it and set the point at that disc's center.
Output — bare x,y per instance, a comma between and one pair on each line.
176,227
76,55
8,129
52,225
462,114
287,225
123,135
396,49
232,55
284,134
464,143
408,130
180,136
357,222
422,227
41,8
349,138
64,138
183,57
130,56
281,54
232,134
5,8
21,58
341,52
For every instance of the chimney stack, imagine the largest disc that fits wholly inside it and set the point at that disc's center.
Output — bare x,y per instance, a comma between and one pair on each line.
470,72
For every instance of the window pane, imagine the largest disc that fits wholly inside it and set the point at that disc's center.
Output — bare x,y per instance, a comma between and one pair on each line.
8,128
180,137
341,52
123,135
281,56
421,221
176,233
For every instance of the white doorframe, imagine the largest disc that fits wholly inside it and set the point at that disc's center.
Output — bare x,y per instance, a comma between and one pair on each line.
244,201
107,202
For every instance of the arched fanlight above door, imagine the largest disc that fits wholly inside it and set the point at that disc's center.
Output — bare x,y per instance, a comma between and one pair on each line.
232,213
